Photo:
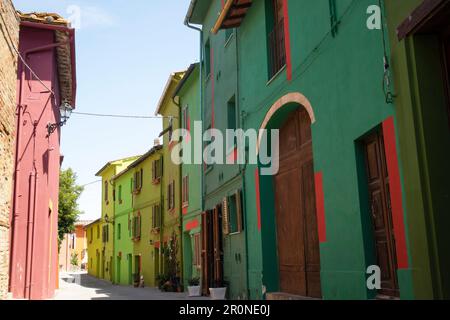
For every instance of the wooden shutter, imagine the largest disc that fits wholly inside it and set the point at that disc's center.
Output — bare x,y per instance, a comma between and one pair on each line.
239,215
141,179
225,216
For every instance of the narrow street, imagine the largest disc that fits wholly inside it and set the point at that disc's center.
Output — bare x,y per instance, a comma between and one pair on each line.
81,286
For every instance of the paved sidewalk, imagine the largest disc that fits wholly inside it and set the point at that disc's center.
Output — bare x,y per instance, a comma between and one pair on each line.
90,288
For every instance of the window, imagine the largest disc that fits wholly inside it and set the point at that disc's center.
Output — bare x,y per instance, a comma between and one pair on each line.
106,192
207,61
156,217
197,257
185,195
98,231
138,180
105,232
91,234
157,170
119,231
232,119
120,194
232,214
171,196
275,36
137,227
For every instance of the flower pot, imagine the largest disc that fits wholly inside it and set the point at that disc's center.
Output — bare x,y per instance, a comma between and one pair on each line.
218,293
194,291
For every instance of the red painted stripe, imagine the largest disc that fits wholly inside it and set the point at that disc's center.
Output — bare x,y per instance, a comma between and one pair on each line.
287,37
191,225
396,192
320,207
258,198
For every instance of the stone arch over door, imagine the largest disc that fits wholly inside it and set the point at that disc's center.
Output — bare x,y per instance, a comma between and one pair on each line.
291,254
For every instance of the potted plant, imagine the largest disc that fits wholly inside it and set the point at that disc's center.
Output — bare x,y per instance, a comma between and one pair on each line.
219,292
194,287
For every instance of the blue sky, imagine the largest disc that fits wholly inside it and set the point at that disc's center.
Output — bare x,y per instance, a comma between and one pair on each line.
126,51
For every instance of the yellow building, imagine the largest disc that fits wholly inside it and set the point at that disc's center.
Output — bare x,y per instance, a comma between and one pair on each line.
94,245
171,183
107,173
146,227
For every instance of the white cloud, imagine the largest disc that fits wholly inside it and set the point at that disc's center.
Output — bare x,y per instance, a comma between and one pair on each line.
88,17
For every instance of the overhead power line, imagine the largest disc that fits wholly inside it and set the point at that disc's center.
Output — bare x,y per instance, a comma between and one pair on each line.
118,116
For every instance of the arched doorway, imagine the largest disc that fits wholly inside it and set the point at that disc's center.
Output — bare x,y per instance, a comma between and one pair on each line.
295,206
289,226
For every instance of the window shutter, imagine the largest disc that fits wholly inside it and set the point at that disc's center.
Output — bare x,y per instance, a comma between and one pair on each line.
225,217
239,216
142,179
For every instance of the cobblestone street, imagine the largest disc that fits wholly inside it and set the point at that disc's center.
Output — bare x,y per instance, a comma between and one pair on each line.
81,286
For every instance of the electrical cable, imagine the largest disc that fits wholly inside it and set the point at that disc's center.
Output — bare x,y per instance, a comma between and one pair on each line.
121,116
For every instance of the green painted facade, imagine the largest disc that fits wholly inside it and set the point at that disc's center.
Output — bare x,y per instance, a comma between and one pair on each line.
424,134
146,199
340,75
123,245
188,98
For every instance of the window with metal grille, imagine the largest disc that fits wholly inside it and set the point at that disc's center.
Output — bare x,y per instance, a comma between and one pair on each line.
275,36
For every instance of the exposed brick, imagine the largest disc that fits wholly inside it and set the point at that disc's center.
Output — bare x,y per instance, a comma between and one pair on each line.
9,38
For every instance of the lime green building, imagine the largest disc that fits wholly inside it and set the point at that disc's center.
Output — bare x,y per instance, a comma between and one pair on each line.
107,173
145,219
123,211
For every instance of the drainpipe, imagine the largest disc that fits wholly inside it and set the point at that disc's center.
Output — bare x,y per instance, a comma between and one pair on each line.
187,24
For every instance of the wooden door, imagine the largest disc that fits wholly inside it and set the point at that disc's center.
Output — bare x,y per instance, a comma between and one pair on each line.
296,219
381,214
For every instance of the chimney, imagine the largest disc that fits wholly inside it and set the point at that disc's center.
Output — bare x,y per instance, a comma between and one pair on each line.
157,143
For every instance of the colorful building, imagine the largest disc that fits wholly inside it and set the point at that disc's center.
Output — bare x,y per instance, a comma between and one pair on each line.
47,45
187,94
107,173
313,71
94,236
74,245
146,215
123,212
420,55
171,223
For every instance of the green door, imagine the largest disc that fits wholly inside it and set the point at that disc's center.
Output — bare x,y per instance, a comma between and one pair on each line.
130,269
118,273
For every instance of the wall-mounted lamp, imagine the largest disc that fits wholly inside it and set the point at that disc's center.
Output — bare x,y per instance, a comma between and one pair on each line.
65,111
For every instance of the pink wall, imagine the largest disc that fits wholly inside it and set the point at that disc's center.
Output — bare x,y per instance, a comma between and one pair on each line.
34,251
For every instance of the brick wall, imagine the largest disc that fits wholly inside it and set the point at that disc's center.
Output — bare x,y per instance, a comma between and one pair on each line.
9,35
